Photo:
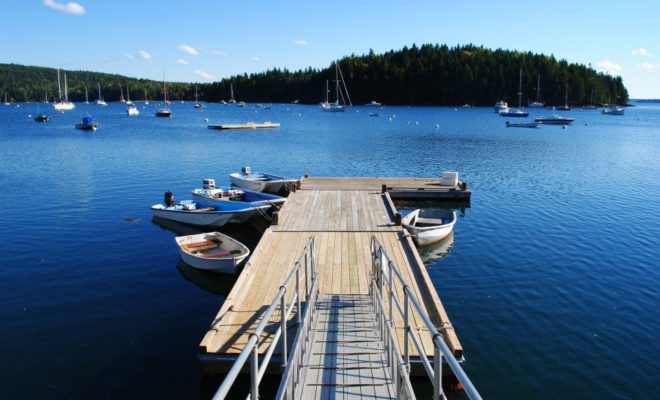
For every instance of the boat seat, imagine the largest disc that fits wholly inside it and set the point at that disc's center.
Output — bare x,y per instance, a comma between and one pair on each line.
215,254
199,244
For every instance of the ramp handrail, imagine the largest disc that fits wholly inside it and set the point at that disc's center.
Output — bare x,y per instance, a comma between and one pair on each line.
384,272
307,260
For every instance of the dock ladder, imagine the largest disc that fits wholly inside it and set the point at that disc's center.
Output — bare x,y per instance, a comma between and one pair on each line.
345,344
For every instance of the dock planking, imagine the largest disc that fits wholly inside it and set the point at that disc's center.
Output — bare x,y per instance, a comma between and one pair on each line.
342,219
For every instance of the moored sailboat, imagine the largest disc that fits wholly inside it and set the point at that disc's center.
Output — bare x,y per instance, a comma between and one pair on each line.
516,112
63,104
336,106
538,103
100,101
164,111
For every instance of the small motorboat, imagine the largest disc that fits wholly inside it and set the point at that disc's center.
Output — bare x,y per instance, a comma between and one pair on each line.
259,182
501,106
429,226
373,103
206,214
164,112
132,110
87,124
554,120
522,125
42,118
613,110
374,114
211,194
241,104
514,113
212,251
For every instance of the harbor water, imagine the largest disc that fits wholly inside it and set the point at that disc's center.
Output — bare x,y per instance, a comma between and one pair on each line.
551,277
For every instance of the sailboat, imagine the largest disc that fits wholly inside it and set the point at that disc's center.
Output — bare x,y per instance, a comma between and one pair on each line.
121,95
565,107
164,111
86,97
7,103
591,105
197,103
325,104
516,112
538,103
231,94
145,97
46,98
335,106
128,96
63,105
100,101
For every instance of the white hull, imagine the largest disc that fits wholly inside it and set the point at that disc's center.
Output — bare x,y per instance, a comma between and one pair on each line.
200,218
132,111
64,106
427,234
270,186
225,264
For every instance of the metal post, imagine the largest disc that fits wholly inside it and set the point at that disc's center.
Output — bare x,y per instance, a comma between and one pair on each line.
298,295
254,372
283,325
391,292
406,329
306,276
437,373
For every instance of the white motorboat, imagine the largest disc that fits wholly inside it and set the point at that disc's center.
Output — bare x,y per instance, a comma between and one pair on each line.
63,104
258,182
132,110
203,214
613,110
429,226
373,103
210,193
501,106
212,251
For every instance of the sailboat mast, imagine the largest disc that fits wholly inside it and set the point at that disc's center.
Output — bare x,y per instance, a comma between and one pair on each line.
128,94
86,97
337,80
196,99
520,89
59,85
231,92
538,88
100,91
66,90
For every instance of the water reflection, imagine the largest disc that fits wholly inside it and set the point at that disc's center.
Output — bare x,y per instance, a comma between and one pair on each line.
210,281
436,251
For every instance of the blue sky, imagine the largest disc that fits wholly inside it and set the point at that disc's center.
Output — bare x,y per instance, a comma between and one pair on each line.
205,40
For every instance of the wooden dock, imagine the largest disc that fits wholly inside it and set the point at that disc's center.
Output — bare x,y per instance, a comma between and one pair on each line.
342,215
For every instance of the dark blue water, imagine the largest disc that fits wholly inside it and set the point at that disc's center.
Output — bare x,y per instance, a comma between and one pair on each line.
551,280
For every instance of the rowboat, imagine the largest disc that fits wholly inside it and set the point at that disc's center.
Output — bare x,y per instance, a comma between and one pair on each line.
205,214
210,193
523,125
259,182
429,226
212,251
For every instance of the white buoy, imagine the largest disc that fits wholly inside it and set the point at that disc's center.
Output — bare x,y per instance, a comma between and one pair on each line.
206,120
390,119
416,122
564,127
437,126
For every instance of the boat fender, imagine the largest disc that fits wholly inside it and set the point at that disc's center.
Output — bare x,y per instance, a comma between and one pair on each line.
169,198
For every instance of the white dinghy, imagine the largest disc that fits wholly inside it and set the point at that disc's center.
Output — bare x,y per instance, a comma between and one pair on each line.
211,193
429,226
258,182
212,251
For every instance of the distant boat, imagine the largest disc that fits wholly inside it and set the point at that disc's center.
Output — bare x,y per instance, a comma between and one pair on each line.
132,110
613,110
522,125
87,124
518,112
231,94
100,101
538,103
86,96
591,105
428,226
565,107
63,104
164,111
197,103
146,101
501,106
373,103
296,101
128,96
212,251
121,94
7,103
223,102
211,193
374,114
340,90
42,118
554,120
241,104
258,182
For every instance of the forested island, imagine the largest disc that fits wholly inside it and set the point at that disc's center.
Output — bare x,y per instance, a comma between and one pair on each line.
416,75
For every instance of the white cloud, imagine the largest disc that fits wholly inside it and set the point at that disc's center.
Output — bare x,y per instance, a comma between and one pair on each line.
647,66
218,53
301,42
641,52
68,8
145,55
609,67
129,56
255,58
188,49
204,75
182,61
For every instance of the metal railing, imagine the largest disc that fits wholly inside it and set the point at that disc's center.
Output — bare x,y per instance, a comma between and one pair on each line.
306,264
386,273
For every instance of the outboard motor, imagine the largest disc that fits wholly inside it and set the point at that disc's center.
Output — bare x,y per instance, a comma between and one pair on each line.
246,170
169,199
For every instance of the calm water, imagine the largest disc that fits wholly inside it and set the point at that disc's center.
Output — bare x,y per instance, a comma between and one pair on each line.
551,281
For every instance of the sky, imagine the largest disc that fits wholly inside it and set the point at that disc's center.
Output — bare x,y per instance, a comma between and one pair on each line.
202,41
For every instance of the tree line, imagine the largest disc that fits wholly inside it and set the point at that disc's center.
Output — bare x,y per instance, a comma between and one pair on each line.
416,75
